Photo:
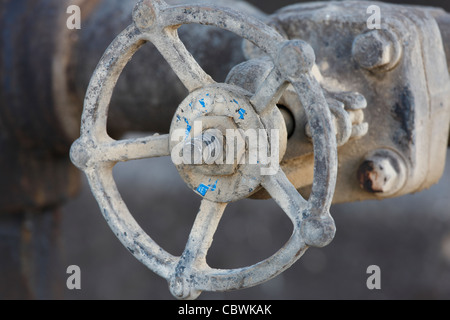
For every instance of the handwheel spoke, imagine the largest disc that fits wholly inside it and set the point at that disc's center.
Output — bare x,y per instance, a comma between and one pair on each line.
202,233
286,196
134,149
193,259
180,59
269,92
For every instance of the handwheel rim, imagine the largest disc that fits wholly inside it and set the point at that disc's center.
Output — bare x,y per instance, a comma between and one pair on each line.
116,213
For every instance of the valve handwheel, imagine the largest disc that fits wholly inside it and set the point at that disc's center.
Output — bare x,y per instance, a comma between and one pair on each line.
96,153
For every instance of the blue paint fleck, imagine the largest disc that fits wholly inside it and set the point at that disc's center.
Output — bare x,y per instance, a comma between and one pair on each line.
242,112
203,189
178,118
188,128
235,101
214,187
190,105
202,102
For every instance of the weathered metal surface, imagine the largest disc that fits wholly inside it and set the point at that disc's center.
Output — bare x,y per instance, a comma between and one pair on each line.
45,70
45,79
188,275
400,72
404,86
148,104
346,107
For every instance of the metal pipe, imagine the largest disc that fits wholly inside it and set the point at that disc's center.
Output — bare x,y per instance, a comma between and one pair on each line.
45,69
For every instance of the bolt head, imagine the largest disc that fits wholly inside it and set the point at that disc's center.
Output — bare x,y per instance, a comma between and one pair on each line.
376,49
295,58
382,173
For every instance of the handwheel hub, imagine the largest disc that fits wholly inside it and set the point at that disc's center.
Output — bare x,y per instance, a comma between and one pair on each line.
218,143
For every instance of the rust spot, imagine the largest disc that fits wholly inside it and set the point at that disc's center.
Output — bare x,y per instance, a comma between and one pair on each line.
366,177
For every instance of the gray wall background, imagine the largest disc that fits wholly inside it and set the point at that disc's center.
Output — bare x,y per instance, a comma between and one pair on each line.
408,237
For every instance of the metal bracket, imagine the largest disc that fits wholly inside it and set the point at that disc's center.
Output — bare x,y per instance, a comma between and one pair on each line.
397,75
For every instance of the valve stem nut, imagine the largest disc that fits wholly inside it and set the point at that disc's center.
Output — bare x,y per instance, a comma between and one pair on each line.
383,173
204,149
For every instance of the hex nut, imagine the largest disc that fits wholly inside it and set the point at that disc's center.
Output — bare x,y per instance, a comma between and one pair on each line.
377,50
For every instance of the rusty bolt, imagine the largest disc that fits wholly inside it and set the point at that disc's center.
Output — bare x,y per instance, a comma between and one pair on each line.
376,50
383,172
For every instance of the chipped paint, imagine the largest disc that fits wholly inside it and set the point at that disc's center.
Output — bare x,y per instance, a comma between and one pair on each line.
188,128
241,112
203,188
